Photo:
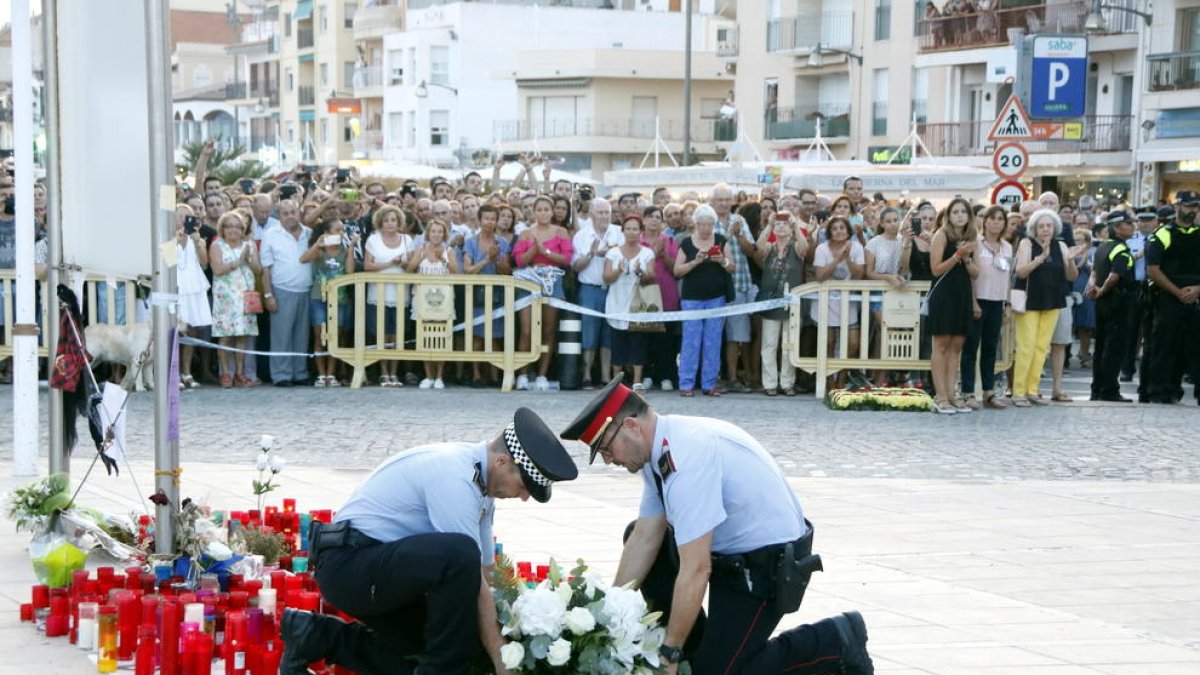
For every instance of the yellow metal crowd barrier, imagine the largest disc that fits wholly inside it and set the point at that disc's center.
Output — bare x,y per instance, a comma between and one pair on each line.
110,300
424,317
899,328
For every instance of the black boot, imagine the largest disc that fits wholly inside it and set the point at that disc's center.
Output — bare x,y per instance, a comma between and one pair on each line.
309,637
852,631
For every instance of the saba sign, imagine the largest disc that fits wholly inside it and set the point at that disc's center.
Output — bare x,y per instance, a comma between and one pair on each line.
1058,76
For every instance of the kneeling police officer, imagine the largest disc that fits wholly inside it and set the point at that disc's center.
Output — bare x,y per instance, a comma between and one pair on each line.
717,514
409,553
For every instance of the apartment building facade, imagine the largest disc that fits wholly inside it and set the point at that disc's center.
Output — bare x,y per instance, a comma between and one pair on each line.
1168,129
864,71
583,84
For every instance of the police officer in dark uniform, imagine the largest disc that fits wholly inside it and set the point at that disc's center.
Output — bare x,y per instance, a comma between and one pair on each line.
717,514
1139,329
1113,286
408,555
1173,265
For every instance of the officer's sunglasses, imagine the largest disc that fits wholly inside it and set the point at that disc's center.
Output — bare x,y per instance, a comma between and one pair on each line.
605,450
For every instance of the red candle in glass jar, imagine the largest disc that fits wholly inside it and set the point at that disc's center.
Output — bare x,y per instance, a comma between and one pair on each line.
27,611
525,570
41,596
269,661
149,610
172,614
129,614
543,571
58,623
79,580
285,562
238,600
289,505
144,659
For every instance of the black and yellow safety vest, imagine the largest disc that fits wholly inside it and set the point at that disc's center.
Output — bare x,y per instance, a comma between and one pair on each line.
1181,254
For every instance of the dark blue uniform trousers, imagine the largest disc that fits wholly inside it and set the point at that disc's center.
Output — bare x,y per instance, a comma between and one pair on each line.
418,596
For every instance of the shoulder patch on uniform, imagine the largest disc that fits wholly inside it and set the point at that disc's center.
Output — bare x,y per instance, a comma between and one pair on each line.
666,465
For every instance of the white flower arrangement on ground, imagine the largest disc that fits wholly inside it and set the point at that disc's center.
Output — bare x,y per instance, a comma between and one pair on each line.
574,625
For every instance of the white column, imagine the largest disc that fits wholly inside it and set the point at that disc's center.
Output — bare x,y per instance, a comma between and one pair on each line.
25,333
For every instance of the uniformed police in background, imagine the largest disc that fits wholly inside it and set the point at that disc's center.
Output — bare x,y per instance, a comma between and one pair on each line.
717,514
409,555
1173,265
1147,223
1113,287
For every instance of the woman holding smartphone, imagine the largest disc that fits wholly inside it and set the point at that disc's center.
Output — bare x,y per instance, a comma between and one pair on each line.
331,253
705,267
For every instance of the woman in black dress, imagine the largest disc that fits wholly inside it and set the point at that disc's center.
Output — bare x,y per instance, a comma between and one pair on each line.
951,300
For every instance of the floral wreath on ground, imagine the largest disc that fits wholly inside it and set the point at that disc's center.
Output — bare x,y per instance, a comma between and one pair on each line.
904,399
574,624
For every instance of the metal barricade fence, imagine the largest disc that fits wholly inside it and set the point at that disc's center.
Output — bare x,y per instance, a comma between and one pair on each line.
8,313
112,300
899,328
424,313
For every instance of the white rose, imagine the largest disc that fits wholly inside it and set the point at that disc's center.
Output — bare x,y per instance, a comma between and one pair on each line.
580,621
564,592
540,612
218,551
277,462
266,442
512,654
262,462
560,653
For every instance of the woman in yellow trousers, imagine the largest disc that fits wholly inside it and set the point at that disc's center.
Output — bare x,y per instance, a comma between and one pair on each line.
1045,271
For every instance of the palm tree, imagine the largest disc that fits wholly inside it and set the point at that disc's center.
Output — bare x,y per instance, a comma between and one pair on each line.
223,164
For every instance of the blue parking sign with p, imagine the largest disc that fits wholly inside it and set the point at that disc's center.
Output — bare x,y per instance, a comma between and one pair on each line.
1058,86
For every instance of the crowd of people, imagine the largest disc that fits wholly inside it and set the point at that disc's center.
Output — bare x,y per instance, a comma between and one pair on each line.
254,259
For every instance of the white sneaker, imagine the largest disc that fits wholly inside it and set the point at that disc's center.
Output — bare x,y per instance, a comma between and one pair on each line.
332,381
438,384
541,384
426,384
522,382
647,383
639,386
667,386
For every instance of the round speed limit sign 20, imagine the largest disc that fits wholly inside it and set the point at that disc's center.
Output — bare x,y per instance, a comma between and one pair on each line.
1010,161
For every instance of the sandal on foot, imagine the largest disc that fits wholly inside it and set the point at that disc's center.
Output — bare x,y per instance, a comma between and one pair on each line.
994,403
1022,403
687,393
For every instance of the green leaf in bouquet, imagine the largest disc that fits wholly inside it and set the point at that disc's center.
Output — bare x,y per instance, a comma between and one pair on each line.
580,568
540,646
651,618
555,574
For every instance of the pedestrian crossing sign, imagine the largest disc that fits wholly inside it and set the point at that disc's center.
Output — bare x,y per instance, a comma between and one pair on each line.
1012,124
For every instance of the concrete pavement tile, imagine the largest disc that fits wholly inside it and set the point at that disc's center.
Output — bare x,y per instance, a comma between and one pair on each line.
1184,668
947,658
1114,652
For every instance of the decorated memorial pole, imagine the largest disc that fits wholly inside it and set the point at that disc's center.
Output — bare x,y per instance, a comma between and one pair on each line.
162,200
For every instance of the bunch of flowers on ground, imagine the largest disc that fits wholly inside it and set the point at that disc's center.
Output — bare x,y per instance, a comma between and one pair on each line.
904,399
576,624
31,505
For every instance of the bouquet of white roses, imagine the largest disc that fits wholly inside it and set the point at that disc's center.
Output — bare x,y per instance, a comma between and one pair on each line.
574,625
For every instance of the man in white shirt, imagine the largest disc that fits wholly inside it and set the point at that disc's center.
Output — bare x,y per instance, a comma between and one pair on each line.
287,283
591,243
261,220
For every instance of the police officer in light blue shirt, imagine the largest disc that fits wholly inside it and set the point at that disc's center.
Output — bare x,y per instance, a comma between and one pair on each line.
408,555
717,515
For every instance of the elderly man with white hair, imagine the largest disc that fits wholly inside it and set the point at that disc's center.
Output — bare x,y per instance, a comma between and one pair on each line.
591,242
741,240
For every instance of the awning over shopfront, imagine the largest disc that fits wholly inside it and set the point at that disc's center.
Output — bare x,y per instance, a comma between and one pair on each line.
825,177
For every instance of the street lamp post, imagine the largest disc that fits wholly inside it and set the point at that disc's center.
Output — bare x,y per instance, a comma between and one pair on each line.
816,58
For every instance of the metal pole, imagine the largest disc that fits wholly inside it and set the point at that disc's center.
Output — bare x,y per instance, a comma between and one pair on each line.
25,329
59,462
158,92
687,83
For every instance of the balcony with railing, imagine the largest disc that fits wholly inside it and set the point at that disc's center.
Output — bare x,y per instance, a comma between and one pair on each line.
370,140
1173,71
251,91
371,23
367,77
727,46
803,32
307,95
703,131
1101,133
258,31
801,123
999,27
304,37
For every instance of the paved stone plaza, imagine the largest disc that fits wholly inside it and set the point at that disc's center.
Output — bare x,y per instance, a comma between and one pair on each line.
1057,540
